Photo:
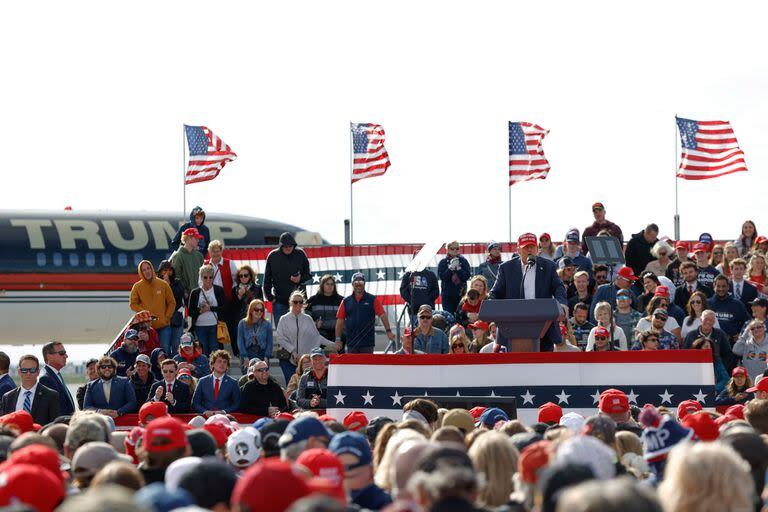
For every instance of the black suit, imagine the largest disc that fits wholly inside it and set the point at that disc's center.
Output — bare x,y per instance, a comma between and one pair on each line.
181,395
748,294
45,404
682,295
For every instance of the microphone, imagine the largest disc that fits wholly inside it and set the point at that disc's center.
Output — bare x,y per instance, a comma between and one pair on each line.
530,261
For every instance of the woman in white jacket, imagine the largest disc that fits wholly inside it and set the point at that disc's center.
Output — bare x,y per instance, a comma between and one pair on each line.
297,333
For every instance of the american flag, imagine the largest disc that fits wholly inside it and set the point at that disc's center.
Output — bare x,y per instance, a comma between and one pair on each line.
370,157
207,154
526,156
709,148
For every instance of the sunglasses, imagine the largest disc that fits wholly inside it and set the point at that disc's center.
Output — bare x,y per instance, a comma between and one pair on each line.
425,317
60,352
185,377
107,367
28,370
757,328
241,276
262,370
601,338
457,345
659,317
206,278
297,302
169,371
258,310
696,301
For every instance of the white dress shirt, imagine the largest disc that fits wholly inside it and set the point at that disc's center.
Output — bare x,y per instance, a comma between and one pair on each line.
20,398
529,283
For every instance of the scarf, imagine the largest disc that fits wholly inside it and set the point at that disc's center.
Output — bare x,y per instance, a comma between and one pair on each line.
492,261
190,359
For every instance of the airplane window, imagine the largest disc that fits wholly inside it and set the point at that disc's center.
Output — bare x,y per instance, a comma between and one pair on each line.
106,259
90,259
122,259
137,257
271,240
74,260
41,259
57,259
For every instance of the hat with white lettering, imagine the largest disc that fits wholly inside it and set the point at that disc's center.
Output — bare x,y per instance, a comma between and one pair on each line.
659,440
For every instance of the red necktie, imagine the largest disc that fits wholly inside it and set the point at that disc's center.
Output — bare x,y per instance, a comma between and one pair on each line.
216,390
170,388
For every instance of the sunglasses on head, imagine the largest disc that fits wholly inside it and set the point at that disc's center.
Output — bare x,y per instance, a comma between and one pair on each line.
28,370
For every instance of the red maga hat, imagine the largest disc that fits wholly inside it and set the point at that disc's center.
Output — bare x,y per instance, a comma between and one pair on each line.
627,273
192,232
527,239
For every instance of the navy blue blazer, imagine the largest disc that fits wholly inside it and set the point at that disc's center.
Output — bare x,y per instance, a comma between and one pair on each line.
548,285
6,384
122,398
49,379
181,394
748,294
229,395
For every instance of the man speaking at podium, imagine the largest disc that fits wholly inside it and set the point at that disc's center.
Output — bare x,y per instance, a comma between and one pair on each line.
541,282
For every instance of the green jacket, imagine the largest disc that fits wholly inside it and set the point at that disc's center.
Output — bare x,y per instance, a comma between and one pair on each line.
187,265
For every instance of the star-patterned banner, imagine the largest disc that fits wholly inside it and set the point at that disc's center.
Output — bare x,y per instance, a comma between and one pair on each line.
376,384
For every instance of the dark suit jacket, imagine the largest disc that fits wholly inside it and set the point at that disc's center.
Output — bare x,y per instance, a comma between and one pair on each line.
122,398
228,400
682,295
748,294
548,285
181,394
6,384
48,379
45,405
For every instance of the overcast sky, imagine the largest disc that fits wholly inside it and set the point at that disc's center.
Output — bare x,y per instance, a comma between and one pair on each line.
94,96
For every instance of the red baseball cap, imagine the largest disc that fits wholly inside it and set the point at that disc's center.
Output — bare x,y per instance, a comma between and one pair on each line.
614,402
23,483
598,205
355,421
322,463
601,331
532,459
192,232
703,426
739,370
687,407
725,418
326,417
21,420
627,273
285,416
155,409
737,411
550,413
761,240
476,412
278,480
479,324
661,291
762,385
37,455
184,371
219,431
527,239
700,247
545,235
681,244
167,429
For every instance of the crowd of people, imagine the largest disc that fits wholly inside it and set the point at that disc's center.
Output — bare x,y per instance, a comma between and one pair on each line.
198,314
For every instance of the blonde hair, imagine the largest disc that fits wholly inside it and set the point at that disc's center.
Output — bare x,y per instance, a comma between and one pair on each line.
251,306
462,338
384,470
216,243
604,306
750,265
297,293
206,270
706,477
494,455
628,442
472,280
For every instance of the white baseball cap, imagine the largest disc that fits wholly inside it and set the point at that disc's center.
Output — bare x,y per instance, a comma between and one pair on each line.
243,447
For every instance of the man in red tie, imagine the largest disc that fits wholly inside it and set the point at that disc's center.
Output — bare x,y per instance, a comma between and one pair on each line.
174,393
217,393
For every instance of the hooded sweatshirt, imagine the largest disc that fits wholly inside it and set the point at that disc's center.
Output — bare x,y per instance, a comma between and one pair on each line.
202,244
153,295
753,355
279,269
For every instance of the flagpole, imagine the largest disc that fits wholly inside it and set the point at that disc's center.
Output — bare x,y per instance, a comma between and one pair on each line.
509,208
677,211
183,173
351,184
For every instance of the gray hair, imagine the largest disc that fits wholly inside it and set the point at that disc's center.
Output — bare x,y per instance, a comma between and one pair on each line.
84,431
618,495
661,244
292,451
206,270
707,312
446,482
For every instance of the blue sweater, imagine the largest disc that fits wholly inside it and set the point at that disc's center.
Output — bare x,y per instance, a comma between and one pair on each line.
731,313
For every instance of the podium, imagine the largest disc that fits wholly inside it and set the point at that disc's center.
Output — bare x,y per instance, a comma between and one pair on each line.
520,322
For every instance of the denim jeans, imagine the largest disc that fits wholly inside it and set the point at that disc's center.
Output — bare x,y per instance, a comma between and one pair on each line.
278,310
176,333
288,369
206,335
164,335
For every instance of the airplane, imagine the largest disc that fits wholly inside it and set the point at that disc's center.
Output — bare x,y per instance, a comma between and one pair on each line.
66,275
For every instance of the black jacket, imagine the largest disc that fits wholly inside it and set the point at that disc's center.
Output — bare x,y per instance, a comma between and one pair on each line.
45,404
682,295
419,288
220,310
202,244
240,306
324,308
257,398
308,386
181,394
140,388
278,271
638,253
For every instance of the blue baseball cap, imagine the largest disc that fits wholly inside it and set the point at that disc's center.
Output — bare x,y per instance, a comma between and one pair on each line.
358,276
262,422
572,236
302,429
131,334
353,444
565,261
492,416
705,238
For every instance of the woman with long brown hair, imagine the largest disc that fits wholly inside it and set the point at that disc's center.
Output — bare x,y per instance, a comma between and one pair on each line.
254,334
746,241
323,305
697,303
